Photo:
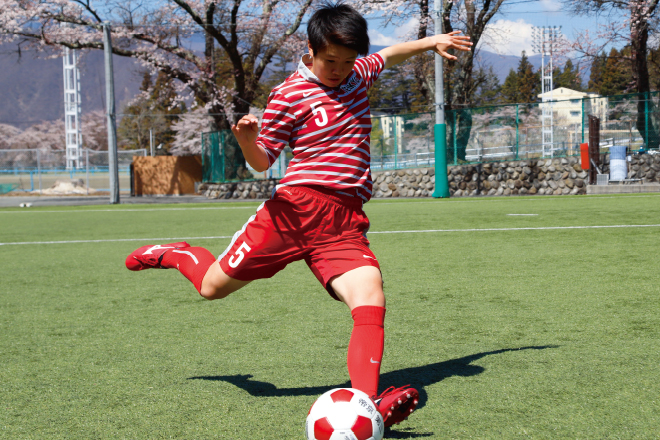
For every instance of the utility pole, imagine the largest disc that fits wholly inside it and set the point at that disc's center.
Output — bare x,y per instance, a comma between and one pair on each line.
440,128
112,126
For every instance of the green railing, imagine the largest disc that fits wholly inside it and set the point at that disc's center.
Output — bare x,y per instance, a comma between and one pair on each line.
484,134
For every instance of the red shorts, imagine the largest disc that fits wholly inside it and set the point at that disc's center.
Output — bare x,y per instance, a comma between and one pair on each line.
326,230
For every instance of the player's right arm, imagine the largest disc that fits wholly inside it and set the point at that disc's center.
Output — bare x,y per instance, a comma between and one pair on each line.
246,131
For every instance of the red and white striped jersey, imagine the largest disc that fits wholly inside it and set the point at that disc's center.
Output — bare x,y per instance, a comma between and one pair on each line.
327,128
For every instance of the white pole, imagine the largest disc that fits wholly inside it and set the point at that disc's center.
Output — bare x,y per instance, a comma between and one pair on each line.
151,141
87,169
112,127
39,169
439,76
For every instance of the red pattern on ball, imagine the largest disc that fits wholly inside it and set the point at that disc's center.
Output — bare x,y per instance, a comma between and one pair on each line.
342,396
323,429
362,428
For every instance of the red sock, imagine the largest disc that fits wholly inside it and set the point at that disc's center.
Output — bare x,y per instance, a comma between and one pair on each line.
192,262
365,351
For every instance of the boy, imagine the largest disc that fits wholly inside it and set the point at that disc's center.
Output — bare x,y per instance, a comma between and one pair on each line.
315,213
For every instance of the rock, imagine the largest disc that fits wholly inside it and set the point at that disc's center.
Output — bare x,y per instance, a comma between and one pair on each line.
391,187
378,194
401,173
527,170
579,183
388,179
569,183
383,187
510,184
395,193
458,193
572,175
565,191
416,172
411,193
582,174
564,175
533,190
388,193
574,191
552,184
507,192
541,192
552,169
430,186
418,193
424,171
517,184
561,184
563,161
500,191
515,175
541,175
523,191
577,168
557,192
425,178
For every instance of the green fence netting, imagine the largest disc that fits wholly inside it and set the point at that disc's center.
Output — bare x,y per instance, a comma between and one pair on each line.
478,135
222,159
551,129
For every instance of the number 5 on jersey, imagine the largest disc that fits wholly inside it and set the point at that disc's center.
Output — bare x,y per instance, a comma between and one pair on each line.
324,116
239,255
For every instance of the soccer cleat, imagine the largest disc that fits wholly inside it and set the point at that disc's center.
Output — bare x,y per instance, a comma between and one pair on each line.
396,404
150,256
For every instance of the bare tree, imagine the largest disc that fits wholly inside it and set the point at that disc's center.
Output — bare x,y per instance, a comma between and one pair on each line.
640,17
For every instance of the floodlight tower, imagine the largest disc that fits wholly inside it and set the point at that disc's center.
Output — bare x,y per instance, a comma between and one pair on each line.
545,41
72,110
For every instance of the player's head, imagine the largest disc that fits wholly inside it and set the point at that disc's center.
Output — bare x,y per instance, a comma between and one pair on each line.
337,35
338,24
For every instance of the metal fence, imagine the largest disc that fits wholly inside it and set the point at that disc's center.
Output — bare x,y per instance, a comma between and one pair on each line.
38,170
514,132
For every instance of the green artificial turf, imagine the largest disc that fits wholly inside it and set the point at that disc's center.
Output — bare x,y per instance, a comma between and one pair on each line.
507,332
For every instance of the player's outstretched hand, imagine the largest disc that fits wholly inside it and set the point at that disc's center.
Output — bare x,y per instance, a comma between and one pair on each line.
452,40
246,130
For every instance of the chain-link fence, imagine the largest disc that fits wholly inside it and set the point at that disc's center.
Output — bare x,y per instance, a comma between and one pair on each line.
38,170
551,129
222,160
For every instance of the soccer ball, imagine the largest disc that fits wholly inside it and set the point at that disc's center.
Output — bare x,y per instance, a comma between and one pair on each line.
344,414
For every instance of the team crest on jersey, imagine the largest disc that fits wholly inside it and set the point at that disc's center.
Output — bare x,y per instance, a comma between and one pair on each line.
352,84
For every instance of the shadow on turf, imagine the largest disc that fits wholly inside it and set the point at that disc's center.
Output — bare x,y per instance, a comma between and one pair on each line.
418,377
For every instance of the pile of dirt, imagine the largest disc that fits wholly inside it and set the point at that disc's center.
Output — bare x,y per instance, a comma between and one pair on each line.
75,186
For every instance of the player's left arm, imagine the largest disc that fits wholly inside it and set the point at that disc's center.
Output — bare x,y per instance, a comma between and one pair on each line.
438,43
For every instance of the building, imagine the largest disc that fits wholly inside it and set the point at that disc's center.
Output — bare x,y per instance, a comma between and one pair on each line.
568,106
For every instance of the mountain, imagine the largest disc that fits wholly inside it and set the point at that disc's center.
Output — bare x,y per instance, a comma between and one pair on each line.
32,86
33,89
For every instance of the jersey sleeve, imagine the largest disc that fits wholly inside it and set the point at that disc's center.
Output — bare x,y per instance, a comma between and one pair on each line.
276,126
369,68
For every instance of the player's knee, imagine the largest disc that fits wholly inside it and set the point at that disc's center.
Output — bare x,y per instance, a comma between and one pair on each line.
213,292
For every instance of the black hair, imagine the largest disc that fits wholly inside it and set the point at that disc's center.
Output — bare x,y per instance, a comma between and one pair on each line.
340,24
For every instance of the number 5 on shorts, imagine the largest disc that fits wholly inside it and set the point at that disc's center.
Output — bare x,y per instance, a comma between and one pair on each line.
239,255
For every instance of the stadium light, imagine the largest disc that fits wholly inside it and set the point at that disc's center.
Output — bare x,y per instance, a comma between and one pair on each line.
545,40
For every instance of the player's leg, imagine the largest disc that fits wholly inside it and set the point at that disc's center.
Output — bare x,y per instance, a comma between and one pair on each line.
361,289
197,264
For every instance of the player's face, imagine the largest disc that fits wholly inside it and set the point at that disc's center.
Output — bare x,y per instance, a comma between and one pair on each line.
332,64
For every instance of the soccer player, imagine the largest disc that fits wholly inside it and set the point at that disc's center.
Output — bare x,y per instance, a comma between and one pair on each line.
315,213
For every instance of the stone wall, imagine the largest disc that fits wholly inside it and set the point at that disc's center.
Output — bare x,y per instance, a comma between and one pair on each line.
561,176
259,189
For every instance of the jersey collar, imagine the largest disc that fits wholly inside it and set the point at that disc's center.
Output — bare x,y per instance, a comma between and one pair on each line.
304,71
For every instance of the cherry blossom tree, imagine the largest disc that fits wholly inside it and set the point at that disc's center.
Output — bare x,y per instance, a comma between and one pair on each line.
246,34
639,18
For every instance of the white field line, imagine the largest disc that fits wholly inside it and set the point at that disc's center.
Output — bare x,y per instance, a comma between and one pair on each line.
78,211
522,215
173,239
375,202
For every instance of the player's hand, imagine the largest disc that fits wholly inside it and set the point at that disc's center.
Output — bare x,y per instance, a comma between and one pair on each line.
246,130
452,40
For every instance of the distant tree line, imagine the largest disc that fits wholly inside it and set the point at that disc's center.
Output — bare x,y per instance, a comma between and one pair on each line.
611,74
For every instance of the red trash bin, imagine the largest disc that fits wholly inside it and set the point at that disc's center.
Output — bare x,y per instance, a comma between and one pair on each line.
584,156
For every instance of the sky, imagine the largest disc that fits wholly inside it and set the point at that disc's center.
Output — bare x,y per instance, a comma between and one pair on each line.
510,31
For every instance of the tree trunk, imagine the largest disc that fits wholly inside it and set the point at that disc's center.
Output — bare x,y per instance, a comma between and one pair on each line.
647,123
